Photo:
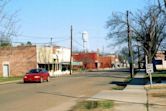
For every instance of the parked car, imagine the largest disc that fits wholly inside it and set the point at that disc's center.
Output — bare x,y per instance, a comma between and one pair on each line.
36,75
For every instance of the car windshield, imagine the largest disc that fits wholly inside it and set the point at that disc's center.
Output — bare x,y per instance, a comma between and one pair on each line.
34,71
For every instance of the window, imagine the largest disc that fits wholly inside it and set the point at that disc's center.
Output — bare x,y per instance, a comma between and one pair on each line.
158,62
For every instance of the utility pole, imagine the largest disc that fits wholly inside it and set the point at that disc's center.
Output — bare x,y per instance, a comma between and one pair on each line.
103,51
130,47
71,50
51,41
139,65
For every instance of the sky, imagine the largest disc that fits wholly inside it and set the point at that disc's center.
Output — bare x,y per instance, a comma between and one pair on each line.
41,20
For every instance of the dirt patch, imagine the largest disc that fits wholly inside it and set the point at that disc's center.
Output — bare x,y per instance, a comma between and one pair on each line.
158,94
155,86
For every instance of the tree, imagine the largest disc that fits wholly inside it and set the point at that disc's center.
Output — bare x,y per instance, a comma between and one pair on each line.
120,29
148,29
29,43
7,24
123,55
165,3
4,41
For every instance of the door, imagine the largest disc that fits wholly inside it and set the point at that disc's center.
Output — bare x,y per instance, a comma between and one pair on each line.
5,70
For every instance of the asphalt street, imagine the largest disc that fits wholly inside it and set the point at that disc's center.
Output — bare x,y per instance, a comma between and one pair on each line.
58,94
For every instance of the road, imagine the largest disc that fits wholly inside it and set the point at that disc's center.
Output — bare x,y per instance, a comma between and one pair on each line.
57,94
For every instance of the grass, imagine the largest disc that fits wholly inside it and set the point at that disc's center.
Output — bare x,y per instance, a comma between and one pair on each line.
157,77
5,79
128,79
118,87
122,85
103,105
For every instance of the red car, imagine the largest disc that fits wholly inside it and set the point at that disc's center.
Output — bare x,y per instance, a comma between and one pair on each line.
36,75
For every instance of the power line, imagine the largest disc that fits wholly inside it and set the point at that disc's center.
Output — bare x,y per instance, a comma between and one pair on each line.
96,38
26,42
78,43
64,39
36,37
61,40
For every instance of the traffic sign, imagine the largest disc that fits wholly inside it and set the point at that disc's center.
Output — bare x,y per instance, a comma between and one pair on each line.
149,68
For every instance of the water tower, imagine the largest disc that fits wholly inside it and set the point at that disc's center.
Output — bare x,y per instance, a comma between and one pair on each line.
85,41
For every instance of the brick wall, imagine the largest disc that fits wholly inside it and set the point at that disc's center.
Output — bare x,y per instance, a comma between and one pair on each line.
105,61
20,59
88,59
94,60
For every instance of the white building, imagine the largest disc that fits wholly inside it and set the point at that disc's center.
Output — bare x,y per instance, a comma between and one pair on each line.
54,58
160,60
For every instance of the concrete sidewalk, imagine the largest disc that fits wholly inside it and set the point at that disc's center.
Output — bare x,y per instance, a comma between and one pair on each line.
137,83
133,97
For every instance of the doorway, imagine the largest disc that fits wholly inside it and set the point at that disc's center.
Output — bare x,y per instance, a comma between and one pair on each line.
5,70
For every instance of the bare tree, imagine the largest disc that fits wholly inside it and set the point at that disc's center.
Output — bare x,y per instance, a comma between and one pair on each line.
7,24
120,28
148,28
165,3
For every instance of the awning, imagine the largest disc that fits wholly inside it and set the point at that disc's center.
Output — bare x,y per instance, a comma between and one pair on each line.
73,63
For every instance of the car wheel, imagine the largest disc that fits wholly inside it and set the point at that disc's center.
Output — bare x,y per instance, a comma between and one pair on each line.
48,78
41,80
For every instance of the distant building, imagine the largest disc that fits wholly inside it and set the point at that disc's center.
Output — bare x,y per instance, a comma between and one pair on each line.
16,61
160,60
89,60
54,59
92,60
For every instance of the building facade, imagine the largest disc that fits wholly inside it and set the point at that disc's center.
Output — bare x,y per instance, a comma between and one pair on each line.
160,60
54,59
16,61
95,61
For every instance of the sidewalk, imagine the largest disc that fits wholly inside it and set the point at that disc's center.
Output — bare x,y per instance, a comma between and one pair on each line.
133,97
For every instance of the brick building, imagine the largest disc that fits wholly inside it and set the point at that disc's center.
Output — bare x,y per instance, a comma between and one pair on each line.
105,61
89,60
94,60
16,61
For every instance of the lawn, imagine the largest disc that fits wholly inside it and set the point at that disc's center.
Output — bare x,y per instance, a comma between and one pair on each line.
158,77
121,84
5,79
